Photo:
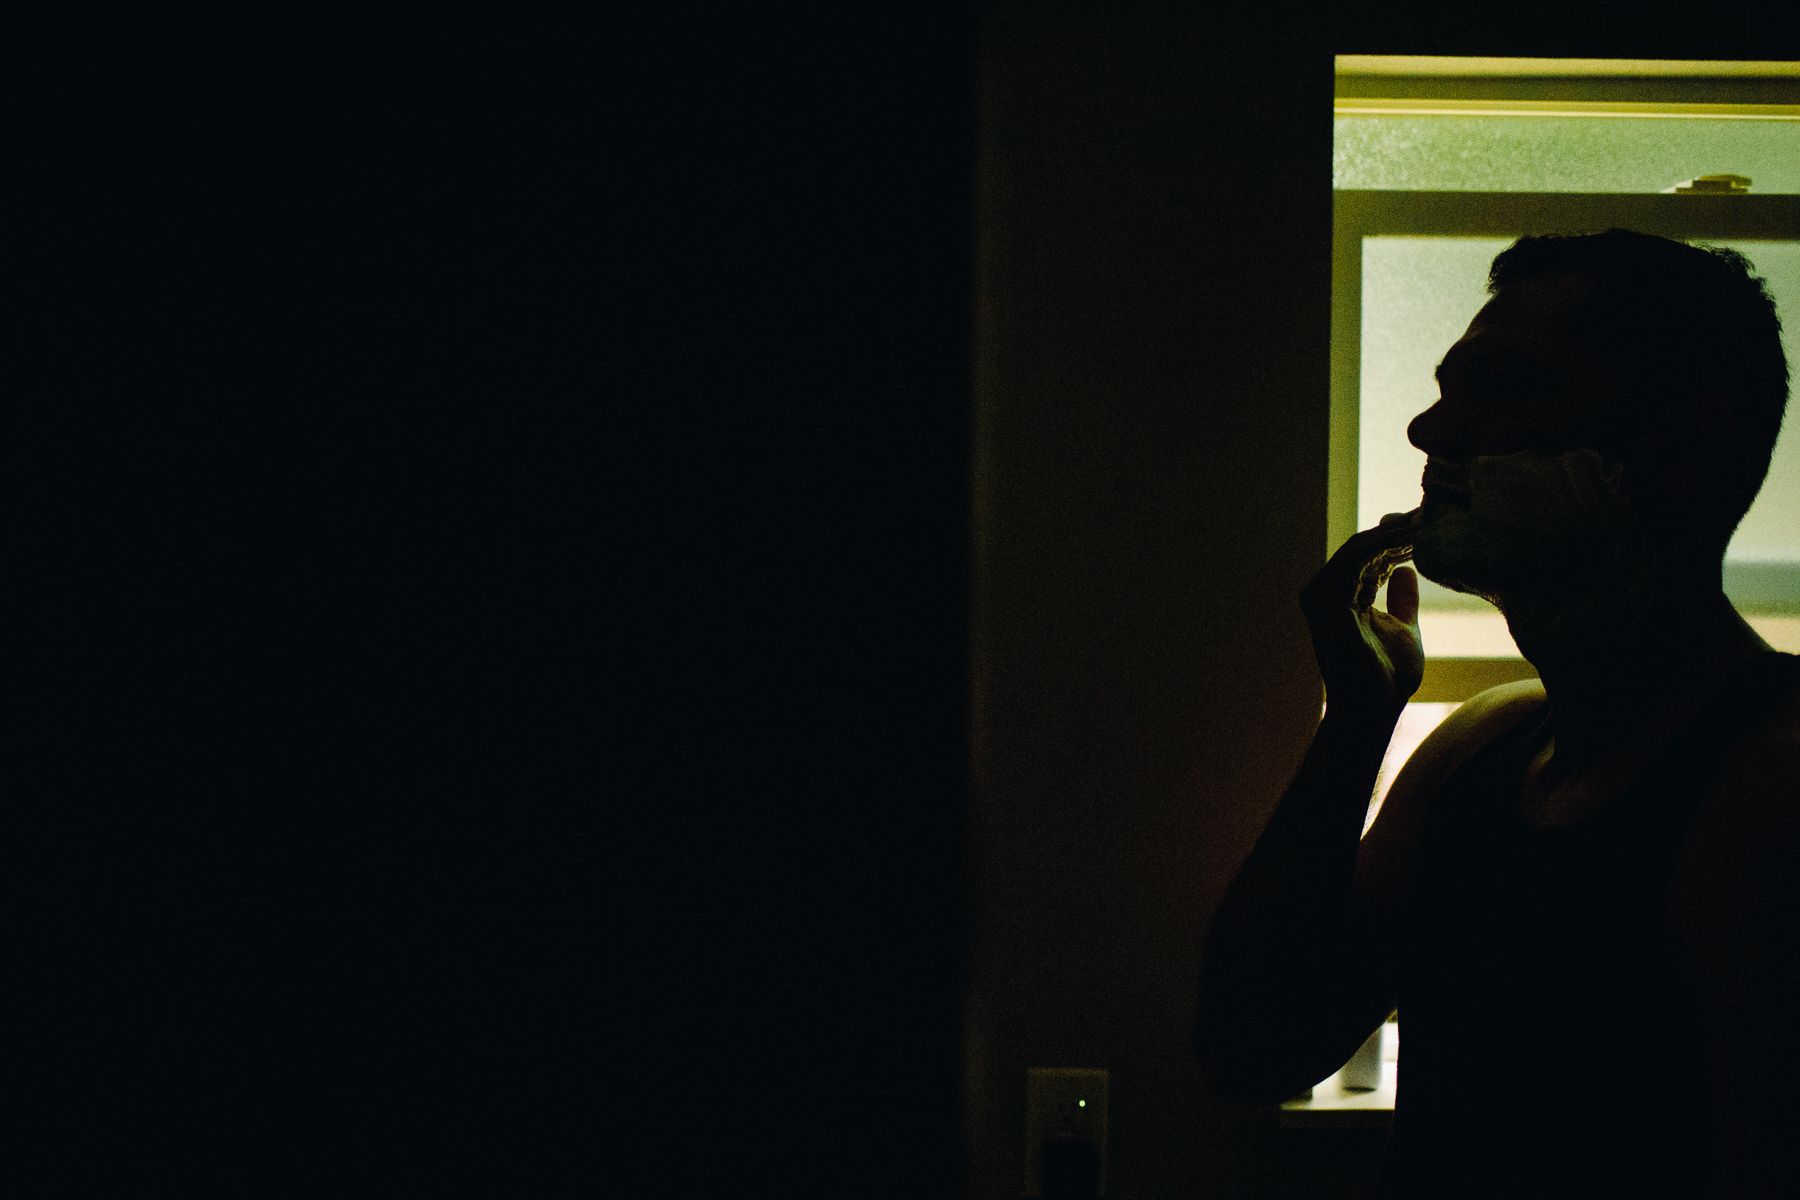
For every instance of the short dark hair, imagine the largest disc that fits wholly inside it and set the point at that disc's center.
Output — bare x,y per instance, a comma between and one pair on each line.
1672,319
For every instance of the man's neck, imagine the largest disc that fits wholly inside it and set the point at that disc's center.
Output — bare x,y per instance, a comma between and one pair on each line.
1618,693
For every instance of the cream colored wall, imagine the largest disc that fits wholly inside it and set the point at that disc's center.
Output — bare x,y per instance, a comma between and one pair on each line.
1152,401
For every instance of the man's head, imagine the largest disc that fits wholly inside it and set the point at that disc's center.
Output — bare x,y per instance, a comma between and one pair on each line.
1663,358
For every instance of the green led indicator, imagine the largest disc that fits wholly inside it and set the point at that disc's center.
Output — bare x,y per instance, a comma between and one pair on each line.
1082,1103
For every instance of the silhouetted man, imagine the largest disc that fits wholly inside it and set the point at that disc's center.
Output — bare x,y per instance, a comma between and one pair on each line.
1582,894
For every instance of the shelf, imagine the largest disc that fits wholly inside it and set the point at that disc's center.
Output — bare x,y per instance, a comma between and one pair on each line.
1331,1107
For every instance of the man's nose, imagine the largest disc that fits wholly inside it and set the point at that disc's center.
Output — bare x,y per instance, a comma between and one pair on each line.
1435,433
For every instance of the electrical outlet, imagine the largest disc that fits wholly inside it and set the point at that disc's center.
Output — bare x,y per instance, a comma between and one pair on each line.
1065,1110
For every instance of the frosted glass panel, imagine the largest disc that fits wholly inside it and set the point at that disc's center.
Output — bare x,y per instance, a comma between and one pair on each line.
1419,294
1559,154
1771,529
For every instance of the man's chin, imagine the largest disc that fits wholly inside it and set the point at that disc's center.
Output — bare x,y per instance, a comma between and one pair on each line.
1451,552
1456,580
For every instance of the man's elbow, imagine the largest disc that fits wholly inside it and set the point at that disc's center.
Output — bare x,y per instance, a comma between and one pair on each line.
1233,1070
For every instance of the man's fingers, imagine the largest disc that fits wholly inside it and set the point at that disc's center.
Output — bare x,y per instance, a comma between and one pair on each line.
1403,595
1356,572
1377,571
1395,529
1370,581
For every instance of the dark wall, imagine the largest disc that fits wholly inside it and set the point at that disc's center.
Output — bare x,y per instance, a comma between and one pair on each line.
493,522
797,605
1153,324
314,406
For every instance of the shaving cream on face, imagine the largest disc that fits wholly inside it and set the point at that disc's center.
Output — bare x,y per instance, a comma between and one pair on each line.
1551,539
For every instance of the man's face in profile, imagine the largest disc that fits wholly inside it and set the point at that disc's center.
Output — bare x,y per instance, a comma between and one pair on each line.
1523,490
1523,377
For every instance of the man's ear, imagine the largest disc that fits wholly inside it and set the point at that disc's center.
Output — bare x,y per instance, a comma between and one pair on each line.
1688,448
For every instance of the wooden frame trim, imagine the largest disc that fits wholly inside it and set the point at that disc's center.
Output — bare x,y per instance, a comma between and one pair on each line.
1353,106
1541,68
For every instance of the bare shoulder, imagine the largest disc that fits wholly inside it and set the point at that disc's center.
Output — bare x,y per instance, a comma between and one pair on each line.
1459,737
1469,728
1775,738
1774,742
1746,832
1388,849
1735,904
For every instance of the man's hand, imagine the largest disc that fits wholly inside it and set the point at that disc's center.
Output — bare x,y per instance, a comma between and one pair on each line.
1372,661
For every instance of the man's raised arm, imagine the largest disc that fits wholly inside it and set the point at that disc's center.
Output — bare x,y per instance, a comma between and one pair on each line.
1291,979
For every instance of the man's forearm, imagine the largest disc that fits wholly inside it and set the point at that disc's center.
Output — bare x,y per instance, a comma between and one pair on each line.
1307,852
1286,924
